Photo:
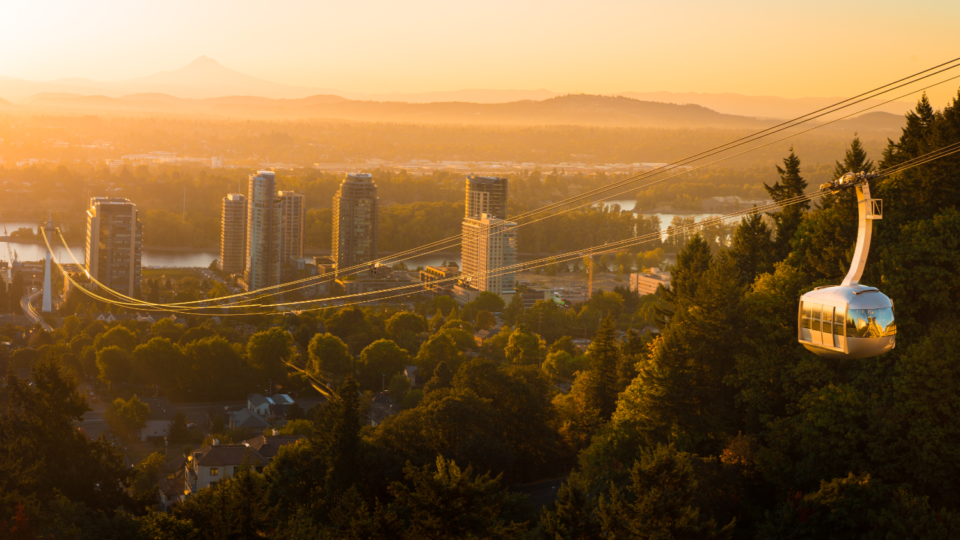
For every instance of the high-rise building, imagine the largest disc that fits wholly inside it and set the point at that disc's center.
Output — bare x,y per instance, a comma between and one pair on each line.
233,233
486,195
489,244
355,221
114,244
291,225
262,251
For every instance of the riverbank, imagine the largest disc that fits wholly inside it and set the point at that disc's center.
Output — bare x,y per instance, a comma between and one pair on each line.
169,249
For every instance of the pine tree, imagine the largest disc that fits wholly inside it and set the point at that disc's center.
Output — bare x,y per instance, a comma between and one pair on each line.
823,244
604,355
659,503
692,261
436,323
752,248
342,438
630,352
574,515
855,160
788,219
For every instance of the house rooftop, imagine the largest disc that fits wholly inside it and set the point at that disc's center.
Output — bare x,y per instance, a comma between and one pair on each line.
228,455
256,400
246,418
268,445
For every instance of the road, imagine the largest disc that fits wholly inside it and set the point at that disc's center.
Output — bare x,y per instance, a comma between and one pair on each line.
29,311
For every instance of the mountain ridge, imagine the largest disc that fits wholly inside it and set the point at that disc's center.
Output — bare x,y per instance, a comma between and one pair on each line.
205,77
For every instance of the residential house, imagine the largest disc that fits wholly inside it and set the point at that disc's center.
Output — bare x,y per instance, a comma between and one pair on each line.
268,445
171,483
262,405
581,344
281,404
248,419
217,462
275,405
480,336
158,419
411,373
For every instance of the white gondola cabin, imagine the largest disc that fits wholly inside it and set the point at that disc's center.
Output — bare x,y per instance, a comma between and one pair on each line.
850,320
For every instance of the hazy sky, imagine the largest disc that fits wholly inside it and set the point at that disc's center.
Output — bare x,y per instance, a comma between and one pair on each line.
791,49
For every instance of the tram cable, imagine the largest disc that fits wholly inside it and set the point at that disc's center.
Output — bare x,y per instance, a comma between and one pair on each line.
733,144
181,309
453,239
569,256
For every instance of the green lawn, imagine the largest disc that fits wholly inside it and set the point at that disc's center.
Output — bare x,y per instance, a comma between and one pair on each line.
169,273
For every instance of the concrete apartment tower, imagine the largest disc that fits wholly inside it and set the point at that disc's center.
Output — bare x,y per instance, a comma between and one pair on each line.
233,233
486,195
291,225
47,305
262,251
114,240
489,242
355,222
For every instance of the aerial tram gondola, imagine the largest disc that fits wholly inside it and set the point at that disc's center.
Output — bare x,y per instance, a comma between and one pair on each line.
850,320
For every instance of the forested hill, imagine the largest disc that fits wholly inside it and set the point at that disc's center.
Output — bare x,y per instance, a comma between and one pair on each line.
579,109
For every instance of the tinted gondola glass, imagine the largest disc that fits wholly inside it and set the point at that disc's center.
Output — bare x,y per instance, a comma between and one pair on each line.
871,323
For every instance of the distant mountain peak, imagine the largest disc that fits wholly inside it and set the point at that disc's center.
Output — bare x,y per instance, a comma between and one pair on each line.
203,61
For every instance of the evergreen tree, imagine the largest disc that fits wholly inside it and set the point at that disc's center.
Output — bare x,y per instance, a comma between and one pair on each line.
451,503
436,323
788,219
855,160
604,355
341,428
573,515
659,502
752,248
692,261
630,352
823,244
680,393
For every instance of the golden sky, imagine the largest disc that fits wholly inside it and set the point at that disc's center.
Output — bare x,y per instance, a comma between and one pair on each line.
789,49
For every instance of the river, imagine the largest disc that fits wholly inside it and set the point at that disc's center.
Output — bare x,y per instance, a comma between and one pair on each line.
183,259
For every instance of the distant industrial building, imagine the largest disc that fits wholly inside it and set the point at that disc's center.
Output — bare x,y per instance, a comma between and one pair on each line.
381,279
114,244
648,282
233,233
262,251
438,279
355,222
